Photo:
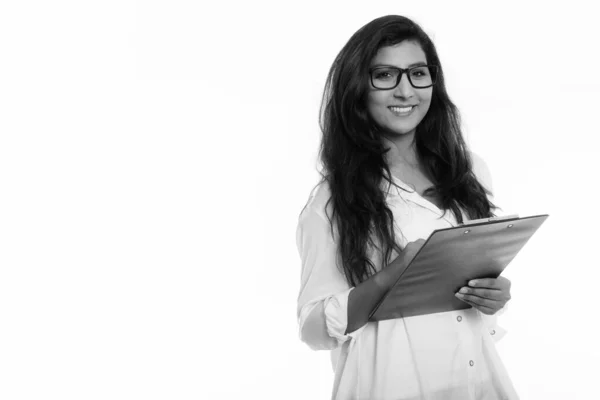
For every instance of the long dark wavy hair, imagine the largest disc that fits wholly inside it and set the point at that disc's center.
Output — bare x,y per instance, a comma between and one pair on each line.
353,154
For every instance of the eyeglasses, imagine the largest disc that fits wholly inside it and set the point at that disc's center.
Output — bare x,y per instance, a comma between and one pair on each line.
420,77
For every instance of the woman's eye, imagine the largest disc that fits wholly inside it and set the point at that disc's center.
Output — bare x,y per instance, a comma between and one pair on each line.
383,75
419,73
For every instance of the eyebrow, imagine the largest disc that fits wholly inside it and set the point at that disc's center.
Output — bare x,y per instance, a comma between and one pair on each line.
410,66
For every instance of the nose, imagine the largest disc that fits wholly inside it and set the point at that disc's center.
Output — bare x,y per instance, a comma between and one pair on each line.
404,88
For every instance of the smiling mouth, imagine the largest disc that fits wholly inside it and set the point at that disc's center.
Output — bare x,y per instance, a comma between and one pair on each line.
402,110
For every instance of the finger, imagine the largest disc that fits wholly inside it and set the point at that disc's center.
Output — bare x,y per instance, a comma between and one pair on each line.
480,301
490,283
483,309
493,294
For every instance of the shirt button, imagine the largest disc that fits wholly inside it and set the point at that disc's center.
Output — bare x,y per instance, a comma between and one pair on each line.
493,332
459,318
471,363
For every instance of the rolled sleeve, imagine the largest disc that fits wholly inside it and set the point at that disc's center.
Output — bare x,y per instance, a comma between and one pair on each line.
323,323
336,317
324,290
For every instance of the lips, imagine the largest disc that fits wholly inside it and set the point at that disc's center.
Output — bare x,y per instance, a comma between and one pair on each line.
402,110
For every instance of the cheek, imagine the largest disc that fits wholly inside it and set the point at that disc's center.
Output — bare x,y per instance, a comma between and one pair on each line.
427,99
425,104
374,106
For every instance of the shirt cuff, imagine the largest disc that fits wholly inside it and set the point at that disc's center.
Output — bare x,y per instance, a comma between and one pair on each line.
491,325
336,317
497,332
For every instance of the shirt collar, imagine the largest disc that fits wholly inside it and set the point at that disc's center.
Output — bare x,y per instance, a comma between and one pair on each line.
411,194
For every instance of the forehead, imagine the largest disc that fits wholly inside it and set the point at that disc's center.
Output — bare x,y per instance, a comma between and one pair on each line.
400,55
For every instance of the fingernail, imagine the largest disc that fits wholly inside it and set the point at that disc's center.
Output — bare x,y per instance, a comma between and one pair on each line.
472,283
458,294
463,290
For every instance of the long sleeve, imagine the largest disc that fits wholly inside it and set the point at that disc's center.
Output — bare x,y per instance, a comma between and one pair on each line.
323,300
482,172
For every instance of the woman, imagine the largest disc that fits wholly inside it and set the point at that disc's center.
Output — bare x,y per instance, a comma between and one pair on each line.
395,167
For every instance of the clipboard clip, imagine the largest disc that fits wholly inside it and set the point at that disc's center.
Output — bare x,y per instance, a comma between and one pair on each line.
492,219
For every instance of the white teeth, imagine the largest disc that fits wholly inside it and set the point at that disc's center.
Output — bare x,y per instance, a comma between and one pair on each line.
401,109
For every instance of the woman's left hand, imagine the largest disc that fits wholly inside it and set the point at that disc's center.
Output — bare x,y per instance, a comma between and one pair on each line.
487,295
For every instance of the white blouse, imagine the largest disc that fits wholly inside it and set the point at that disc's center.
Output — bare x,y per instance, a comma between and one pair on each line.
447,355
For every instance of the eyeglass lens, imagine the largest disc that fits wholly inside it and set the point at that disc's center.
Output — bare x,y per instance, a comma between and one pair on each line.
386,78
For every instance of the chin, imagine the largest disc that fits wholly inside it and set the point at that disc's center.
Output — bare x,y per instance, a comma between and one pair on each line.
402,131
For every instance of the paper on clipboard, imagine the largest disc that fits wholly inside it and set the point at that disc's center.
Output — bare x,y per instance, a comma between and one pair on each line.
491,219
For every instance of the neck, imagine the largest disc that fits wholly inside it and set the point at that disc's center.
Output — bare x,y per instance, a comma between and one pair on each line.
402,149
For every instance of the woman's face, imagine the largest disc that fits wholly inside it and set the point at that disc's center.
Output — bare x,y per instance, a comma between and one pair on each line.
380,102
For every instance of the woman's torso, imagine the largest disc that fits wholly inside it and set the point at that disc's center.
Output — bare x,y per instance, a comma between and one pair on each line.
428,356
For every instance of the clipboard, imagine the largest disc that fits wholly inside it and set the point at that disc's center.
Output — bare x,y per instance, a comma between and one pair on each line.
449,259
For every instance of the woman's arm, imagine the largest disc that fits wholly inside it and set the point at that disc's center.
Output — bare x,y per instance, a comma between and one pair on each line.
365,295
330,311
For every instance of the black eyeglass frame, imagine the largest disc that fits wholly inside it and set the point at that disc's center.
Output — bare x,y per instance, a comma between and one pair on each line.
433,69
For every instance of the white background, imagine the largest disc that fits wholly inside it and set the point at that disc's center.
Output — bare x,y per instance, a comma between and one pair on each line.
154,158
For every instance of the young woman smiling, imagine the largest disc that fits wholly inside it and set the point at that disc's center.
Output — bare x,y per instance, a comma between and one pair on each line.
395,168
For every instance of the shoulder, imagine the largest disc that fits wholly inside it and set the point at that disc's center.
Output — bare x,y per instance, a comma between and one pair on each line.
481,170
317,202
313,224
